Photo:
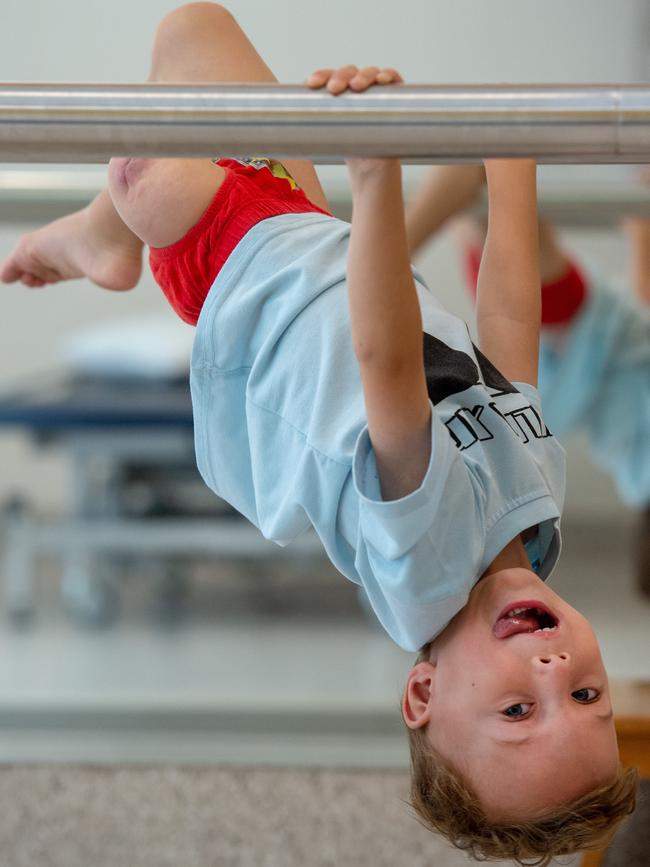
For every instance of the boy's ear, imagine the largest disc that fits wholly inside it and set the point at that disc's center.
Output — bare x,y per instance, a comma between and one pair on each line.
418,693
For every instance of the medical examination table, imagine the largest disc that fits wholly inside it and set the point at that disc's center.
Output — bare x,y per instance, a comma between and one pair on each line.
135,492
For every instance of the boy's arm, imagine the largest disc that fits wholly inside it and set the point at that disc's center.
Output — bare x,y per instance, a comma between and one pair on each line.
387,328
508,303
384,307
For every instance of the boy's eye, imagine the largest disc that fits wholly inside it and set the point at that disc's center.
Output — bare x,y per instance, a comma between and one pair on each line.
517,711
585,695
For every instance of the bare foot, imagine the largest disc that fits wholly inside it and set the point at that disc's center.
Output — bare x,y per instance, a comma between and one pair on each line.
71,247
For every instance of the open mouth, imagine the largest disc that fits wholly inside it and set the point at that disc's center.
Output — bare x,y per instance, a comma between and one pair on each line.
525,617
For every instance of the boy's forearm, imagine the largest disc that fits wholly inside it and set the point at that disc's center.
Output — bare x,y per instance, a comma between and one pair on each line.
384,308
508,300
385,319
387,328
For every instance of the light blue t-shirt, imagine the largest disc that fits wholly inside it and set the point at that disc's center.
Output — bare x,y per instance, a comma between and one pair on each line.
281,432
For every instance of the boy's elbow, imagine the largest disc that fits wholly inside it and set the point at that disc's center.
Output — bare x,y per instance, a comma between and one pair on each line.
389,361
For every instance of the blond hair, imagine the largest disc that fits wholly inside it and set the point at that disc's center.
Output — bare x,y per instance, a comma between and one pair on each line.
444,803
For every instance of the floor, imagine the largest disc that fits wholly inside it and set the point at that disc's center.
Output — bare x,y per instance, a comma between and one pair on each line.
216,817
263,668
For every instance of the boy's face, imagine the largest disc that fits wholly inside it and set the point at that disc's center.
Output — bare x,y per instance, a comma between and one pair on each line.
524,716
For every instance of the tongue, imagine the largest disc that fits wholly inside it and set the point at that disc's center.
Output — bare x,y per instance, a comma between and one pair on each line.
507,626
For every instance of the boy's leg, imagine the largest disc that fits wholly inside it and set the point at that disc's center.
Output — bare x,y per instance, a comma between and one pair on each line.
161,199
202,42
199,42
92,243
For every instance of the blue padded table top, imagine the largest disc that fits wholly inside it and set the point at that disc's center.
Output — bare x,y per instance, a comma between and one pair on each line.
76,403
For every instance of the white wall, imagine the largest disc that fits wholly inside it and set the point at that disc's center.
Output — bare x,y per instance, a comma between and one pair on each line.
428,40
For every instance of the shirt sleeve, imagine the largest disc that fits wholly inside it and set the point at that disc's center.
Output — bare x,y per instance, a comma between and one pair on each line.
418,556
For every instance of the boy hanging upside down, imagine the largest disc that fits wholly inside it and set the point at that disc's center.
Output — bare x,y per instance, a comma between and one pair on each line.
330,390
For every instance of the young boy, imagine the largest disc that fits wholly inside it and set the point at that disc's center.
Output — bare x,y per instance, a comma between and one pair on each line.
432,482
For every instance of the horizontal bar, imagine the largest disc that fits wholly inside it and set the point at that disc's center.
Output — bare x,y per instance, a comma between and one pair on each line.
418,123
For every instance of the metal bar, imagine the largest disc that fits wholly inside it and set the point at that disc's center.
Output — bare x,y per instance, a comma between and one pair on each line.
421,123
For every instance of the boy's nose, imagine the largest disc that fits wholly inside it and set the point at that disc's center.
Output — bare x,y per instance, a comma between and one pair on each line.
552,660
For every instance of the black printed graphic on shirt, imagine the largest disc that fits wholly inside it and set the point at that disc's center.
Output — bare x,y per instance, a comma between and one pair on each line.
466,428
449,371
525,421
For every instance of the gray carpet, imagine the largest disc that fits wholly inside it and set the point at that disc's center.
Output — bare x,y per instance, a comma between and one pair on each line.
232,817
190,817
